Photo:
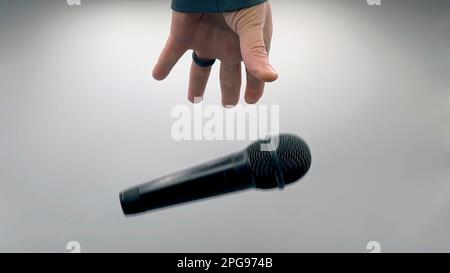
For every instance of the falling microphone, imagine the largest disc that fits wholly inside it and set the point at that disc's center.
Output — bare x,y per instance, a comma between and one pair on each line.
265,164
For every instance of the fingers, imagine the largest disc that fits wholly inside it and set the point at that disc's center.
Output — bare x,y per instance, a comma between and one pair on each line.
197,82
170,55
254,89
230,83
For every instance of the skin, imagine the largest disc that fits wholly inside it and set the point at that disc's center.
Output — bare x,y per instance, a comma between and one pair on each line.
232,38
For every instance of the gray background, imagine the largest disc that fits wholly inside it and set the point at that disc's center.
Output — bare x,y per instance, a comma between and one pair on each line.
81,119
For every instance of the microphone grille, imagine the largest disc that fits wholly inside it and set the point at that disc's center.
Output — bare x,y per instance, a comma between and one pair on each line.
294,158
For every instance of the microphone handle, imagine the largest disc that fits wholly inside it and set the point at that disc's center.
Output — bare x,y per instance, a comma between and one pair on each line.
224,175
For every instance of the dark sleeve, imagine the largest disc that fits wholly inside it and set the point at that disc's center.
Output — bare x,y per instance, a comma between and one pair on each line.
206,6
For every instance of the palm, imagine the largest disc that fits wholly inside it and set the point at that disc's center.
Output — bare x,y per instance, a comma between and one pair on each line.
230,37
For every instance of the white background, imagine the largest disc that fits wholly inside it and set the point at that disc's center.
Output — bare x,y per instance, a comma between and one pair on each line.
81,119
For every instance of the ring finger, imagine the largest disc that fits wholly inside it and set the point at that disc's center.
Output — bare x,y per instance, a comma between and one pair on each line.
197,82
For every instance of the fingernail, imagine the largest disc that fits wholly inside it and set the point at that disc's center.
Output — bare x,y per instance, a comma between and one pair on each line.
270,74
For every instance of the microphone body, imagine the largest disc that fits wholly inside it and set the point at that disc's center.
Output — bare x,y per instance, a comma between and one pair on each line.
221,176
250,168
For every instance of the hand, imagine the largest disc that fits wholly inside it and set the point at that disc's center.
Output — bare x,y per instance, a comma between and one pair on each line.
231,37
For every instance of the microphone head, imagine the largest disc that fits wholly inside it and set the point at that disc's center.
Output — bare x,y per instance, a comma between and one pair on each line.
291,158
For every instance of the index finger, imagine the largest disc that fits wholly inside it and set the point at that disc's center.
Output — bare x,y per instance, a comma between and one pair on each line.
170,55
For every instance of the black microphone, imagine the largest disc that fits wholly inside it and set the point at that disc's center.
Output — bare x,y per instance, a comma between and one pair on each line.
265,164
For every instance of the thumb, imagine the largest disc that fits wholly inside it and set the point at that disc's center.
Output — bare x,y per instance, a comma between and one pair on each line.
256,59
250,24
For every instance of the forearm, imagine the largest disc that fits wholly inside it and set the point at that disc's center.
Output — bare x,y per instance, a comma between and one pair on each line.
207,6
